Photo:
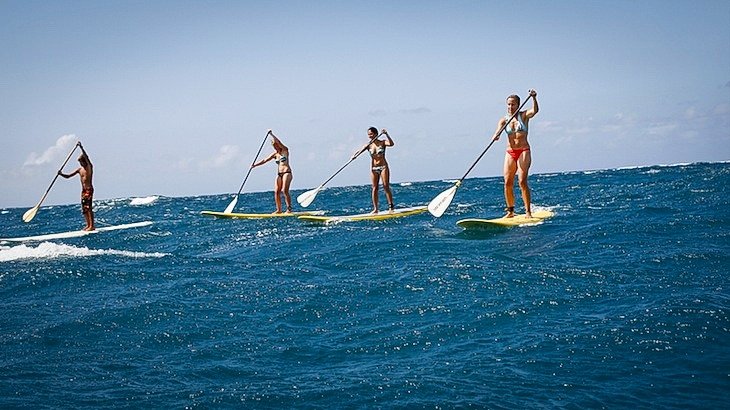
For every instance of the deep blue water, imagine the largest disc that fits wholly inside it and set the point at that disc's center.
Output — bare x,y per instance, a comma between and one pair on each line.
619,301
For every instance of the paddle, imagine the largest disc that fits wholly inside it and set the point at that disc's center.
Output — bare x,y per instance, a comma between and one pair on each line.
441,202
232,205
306,198
30,214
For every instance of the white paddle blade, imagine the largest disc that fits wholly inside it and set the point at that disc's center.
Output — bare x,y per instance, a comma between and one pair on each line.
306,198
229,208
438,205
30,214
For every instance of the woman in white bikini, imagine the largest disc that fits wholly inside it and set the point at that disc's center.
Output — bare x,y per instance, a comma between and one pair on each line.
517,159
379,169
284,175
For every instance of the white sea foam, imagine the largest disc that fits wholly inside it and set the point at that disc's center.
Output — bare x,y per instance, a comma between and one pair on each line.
144,201
406,183
50,250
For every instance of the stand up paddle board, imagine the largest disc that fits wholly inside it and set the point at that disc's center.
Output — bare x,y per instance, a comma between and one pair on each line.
76,234
256,216
396,213
517,220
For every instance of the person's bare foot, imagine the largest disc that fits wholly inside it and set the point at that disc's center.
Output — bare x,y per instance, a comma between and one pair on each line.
510,212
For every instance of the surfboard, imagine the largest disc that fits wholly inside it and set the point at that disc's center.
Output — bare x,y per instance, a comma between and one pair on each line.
517,220
381,216
256,216
76,234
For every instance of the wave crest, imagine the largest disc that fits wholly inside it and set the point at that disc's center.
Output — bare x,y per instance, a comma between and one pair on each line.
144,201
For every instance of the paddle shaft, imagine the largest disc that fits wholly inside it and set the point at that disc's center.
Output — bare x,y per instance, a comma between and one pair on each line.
254,161
56,177
348,162
493,140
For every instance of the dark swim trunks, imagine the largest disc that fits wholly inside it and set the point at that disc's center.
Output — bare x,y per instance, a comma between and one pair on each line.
87,195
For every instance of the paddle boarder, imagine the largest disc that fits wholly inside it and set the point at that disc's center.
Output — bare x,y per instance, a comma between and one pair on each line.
85,173
379,169
284,175
517,159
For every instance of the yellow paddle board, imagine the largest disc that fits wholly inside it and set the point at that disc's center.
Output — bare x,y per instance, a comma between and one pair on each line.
517,220
381,216
256,216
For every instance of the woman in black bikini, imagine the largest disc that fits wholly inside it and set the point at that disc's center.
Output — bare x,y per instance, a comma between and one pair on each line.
379,169
518,159
284,175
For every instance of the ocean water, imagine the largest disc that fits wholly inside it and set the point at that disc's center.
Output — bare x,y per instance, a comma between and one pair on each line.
621,300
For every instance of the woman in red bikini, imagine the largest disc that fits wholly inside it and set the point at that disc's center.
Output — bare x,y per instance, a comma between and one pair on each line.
517,160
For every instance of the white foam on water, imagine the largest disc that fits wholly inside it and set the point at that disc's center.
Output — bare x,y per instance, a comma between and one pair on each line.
144,201
50,250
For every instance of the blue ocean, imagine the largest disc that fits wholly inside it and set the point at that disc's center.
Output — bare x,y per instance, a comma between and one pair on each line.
621,300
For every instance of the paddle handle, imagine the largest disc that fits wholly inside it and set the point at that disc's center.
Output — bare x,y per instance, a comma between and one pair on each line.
254,161
493,140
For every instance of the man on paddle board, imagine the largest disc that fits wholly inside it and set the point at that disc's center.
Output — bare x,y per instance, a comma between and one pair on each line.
379,169
284,175
517,159
85,173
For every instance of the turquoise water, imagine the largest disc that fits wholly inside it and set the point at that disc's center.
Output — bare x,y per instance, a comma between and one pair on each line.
620,300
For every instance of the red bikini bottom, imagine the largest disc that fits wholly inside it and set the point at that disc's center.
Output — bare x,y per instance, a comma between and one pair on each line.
515,153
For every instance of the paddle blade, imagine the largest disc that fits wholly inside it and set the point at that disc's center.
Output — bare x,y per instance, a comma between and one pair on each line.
306,198
438,205
229,208
30,214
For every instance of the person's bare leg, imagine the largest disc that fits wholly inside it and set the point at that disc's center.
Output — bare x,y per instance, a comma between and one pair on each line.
523,167
510,167
374,179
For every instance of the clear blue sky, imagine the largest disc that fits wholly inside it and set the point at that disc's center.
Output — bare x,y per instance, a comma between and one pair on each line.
174,98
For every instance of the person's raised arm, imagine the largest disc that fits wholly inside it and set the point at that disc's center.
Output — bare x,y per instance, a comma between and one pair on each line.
389,141
535,108
83,152
278,141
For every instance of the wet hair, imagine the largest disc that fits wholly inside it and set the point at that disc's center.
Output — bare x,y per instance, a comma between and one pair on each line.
373,129
83,160
516,97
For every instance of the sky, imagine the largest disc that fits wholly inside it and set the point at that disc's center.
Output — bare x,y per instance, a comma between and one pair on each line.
174,98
